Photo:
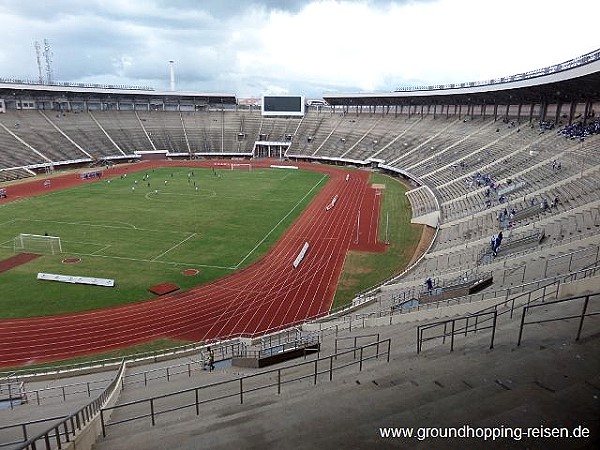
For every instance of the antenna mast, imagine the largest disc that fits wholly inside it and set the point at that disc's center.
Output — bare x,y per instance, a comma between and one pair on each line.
48,57
38,56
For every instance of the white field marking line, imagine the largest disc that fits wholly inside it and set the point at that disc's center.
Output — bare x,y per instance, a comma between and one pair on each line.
174,247
211,194
6,223
87,224
96,244
174,263
102,249
128,224
279,223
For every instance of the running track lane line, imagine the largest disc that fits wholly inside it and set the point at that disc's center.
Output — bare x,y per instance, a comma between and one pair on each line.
177,315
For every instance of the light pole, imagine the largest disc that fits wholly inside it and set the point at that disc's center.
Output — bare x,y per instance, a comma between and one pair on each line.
172,72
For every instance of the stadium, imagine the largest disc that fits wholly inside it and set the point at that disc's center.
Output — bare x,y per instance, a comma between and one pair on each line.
183,270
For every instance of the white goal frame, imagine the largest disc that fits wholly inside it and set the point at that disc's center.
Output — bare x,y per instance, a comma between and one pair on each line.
241,166
37,243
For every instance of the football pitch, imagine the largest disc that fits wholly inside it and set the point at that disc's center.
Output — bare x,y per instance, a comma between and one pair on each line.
147,228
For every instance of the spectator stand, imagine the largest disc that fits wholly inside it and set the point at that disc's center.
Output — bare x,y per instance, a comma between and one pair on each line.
512,245
93,174
467,285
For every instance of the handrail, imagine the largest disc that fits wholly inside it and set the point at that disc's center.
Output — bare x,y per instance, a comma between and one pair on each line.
238,390
454,331
107,362
74,84
575,62
581,316
63,390
230,339
278,348
23,427
495,294
70,425
543,290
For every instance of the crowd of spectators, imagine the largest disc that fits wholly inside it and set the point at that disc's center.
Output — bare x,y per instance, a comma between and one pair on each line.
545,125
580,130
491,187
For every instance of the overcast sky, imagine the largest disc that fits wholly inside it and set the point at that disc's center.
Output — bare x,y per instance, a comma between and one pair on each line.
255,47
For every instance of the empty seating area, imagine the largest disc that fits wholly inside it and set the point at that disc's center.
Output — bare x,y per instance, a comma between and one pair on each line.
537,178
36,130
16,153
125,129
165,130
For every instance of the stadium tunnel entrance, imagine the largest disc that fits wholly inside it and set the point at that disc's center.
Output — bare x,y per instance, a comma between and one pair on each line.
270,149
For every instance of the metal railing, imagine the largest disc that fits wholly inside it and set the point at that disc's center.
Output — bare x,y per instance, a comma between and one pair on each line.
222,349
75,84
61,433
458,326
301,342
168,373
273,339
64,391
150,408
488,295
507,305
13,392
354,340
581,316
575,62
525,298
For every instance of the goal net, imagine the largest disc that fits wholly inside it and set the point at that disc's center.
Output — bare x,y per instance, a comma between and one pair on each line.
241,166
35,243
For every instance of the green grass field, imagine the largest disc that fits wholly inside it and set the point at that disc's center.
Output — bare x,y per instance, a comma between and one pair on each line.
148,235
142,237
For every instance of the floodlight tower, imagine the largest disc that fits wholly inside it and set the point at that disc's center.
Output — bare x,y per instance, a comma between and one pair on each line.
38,56
172,70
48,57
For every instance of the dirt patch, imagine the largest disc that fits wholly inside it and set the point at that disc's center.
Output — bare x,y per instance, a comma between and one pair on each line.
357,269
71,260
349,283
17,260
190,272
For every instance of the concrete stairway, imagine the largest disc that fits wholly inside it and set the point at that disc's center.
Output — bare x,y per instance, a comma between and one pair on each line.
548,381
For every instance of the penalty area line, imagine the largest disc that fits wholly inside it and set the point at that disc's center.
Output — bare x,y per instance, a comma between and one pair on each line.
279,223
174,247
172,263
102,249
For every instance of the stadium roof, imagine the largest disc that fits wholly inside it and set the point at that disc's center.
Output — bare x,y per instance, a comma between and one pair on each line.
24,89
563,83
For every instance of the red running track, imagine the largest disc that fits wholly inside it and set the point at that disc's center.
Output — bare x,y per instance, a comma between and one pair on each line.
267,295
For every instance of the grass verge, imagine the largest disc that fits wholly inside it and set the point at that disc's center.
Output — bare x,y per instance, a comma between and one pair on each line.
363,270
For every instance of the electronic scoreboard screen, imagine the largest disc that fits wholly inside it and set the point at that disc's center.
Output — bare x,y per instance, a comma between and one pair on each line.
282,105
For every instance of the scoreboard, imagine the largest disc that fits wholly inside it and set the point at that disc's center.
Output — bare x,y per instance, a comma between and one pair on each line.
282,105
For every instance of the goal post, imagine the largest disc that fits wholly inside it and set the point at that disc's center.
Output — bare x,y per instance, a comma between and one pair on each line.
36,243
241,166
